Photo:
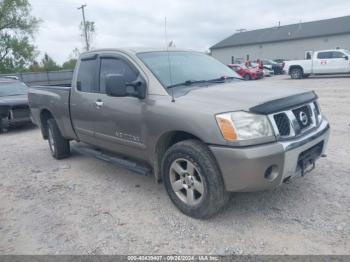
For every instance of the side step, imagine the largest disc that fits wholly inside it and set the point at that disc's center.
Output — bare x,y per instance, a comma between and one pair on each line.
114,160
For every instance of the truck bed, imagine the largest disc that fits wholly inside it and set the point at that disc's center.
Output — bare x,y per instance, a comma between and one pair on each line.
55,101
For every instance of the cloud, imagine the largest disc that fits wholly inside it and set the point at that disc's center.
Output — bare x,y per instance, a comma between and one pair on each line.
195,24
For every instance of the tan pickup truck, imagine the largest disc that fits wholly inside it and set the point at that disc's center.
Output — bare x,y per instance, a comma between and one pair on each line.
189,119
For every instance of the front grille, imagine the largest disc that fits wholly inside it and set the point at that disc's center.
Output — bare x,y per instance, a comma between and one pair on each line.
283,124
303,116
296,121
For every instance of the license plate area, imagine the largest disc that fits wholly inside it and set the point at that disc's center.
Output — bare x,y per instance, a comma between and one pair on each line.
306,160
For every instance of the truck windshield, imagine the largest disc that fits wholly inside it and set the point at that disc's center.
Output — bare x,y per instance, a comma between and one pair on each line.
175,67
12,89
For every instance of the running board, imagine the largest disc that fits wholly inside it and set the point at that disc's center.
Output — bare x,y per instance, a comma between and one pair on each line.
116,161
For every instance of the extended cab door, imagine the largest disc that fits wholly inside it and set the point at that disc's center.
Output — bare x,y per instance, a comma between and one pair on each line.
119,120
340,62
83,97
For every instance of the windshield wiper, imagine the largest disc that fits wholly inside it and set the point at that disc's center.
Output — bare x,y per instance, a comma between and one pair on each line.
187,83
222,79
215,80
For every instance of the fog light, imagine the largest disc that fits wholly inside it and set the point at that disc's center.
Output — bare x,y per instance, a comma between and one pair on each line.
271,173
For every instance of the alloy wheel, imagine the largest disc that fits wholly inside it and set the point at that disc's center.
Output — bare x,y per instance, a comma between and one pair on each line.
186,181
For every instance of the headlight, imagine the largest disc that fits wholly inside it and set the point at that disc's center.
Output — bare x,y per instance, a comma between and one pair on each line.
243,126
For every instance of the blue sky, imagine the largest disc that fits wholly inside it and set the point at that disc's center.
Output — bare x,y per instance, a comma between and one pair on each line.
193,24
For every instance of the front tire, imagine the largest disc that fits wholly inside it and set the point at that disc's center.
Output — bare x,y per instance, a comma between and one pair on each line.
193,180
59,146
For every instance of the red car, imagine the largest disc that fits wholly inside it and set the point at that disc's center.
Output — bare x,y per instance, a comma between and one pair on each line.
251,73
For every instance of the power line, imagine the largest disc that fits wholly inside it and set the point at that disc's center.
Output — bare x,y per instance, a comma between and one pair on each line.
82,7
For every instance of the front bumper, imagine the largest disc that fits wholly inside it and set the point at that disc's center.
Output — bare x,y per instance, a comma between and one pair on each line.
9,118
244,169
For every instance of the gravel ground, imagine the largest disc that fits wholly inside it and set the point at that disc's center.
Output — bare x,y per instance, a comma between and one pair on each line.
82,205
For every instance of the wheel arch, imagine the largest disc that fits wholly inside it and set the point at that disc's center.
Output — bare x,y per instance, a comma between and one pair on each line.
295,67
165,141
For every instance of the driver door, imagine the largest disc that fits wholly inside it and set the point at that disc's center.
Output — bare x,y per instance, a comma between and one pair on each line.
340,63
119,121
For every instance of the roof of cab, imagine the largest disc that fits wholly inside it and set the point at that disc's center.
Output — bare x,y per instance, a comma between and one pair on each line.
136,50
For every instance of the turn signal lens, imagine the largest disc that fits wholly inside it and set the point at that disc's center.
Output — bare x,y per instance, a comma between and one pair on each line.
227,130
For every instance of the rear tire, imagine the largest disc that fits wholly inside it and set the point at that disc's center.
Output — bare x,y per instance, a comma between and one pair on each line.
193,180
59,146
296,73
247,77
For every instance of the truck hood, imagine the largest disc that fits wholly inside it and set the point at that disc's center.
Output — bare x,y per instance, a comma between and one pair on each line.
13,100
240,95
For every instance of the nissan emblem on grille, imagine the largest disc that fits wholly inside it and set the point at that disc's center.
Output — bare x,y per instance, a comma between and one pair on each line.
303,118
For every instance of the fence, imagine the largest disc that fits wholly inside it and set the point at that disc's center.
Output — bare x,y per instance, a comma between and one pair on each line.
53,78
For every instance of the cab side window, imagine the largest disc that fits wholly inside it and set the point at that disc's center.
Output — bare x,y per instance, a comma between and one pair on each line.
337,55
324,55
86,78
115,66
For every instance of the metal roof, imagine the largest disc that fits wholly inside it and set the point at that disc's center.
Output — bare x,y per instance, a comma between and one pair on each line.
333,26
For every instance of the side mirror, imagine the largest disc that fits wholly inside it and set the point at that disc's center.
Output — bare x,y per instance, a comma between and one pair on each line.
116,86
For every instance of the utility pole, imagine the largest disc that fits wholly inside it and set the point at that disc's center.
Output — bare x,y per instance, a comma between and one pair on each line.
85,29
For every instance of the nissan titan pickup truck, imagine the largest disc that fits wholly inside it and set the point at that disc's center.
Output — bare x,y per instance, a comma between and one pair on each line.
323,62
187,117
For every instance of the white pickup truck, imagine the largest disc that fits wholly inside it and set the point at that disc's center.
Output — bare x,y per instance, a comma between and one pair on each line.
334,61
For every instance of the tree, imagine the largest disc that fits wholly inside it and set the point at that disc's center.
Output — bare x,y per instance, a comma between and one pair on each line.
48,64
72,60
70,64
90,32
17,28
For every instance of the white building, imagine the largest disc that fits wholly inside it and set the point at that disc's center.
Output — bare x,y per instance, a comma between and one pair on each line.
284,42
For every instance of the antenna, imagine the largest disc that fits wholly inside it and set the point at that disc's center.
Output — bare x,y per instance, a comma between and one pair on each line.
169,65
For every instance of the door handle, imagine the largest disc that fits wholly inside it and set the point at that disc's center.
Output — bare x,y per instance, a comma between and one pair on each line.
99,104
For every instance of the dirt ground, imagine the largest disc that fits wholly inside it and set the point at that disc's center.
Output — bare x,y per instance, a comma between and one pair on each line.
83,205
